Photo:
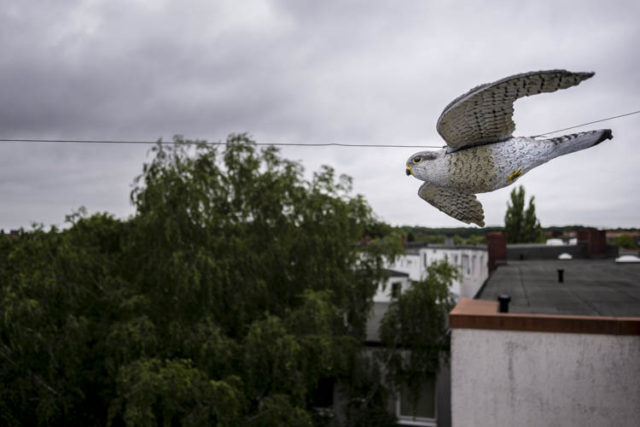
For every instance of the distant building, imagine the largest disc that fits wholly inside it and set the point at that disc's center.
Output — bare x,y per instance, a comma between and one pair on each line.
14,234
588,243
471,261
433,407
566,353
612,234
397,283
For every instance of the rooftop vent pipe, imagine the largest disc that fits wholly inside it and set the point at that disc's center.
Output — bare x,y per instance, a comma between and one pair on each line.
503,301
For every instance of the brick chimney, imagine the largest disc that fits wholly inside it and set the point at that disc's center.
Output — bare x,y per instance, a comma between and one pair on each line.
596,241
497,247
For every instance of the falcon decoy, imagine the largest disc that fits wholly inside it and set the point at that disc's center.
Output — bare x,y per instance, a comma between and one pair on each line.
482,155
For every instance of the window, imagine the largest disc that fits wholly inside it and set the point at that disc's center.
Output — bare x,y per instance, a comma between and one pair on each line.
424,259
465,265
420,410
396,288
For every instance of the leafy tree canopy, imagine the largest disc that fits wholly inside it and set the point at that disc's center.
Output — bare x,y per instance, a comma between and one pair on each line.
236,288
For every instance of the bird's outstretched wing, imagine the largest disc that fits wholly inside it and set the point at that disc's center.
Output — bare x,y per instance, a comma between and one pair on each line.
462,206
484,114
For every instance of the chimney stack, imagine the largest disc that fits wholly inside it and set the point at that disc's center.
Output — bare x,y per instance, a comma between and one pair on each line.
595,240
497,248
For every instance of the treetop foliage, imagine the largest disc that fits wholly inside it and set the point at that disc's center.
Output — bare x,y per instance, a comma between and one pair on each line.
520,225
236,288
625,242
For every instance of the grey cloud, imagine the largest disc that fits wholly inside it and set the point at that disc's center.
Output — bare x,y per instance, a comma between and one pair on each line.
290,71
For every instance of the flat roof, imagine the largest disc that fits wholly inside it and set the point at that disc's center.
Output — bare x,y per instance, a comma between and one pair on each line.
590,287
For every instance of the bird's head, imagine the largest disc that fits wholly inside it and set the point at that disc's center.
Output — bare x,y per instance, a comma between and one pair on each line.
419,163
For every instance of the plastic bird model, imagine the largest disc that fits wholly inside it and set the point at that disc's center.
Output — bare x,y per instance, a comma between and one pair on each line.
482,155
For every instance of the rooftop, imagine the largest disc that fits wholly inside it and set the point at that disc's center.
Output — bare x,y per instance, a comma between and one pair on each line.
590,287
415,249
480,314
396,273
537,245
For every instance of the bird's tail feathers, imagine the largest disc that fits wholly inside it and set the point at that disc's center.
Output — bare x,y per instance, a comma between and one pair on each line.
579,141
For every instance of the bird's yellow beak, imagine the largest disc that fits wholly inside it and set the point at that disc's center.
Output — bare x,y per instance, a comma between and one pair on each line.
409,171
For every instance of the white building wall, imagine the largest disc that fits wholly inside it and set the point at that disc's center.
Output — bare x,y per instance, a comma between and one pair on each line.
472,263
512,378
474,272
410,264
383,293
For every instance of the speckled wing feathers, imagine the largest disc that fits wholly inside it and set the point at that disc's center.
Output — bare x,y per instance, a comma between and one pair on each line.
484,114
462,206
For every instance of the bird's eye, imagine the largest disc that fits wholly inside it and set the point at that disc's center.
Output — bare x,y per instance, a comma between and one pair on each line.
417,159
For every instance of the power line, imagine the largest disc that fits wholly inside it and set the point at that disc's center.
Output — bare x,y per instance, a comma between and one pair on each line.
589,123
280,144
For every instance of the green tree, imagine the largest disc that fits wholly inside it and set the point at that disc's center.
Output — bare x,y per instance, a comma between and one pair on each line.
625,241
520,225
414,329
58,293
233,292
476,240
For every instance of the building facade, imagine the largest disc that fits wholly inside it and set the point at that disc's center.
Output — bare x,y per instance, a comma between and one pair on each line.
433,407
471,261
527,369
567,352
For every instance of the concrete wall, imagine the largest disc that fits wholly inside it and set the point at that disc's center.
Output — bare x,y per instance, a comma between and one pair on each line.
513,378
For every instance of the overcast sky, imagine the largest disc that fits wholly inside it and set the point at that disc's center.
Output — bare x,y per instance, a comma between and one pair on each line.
307,72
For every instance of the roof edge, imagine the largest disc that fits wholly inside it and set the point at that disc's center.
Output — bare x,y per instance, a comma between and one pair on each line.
480,314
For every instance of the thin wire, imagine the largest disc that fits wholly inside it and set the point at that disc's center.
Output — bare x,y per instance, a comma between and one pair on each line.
588,123
282,144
